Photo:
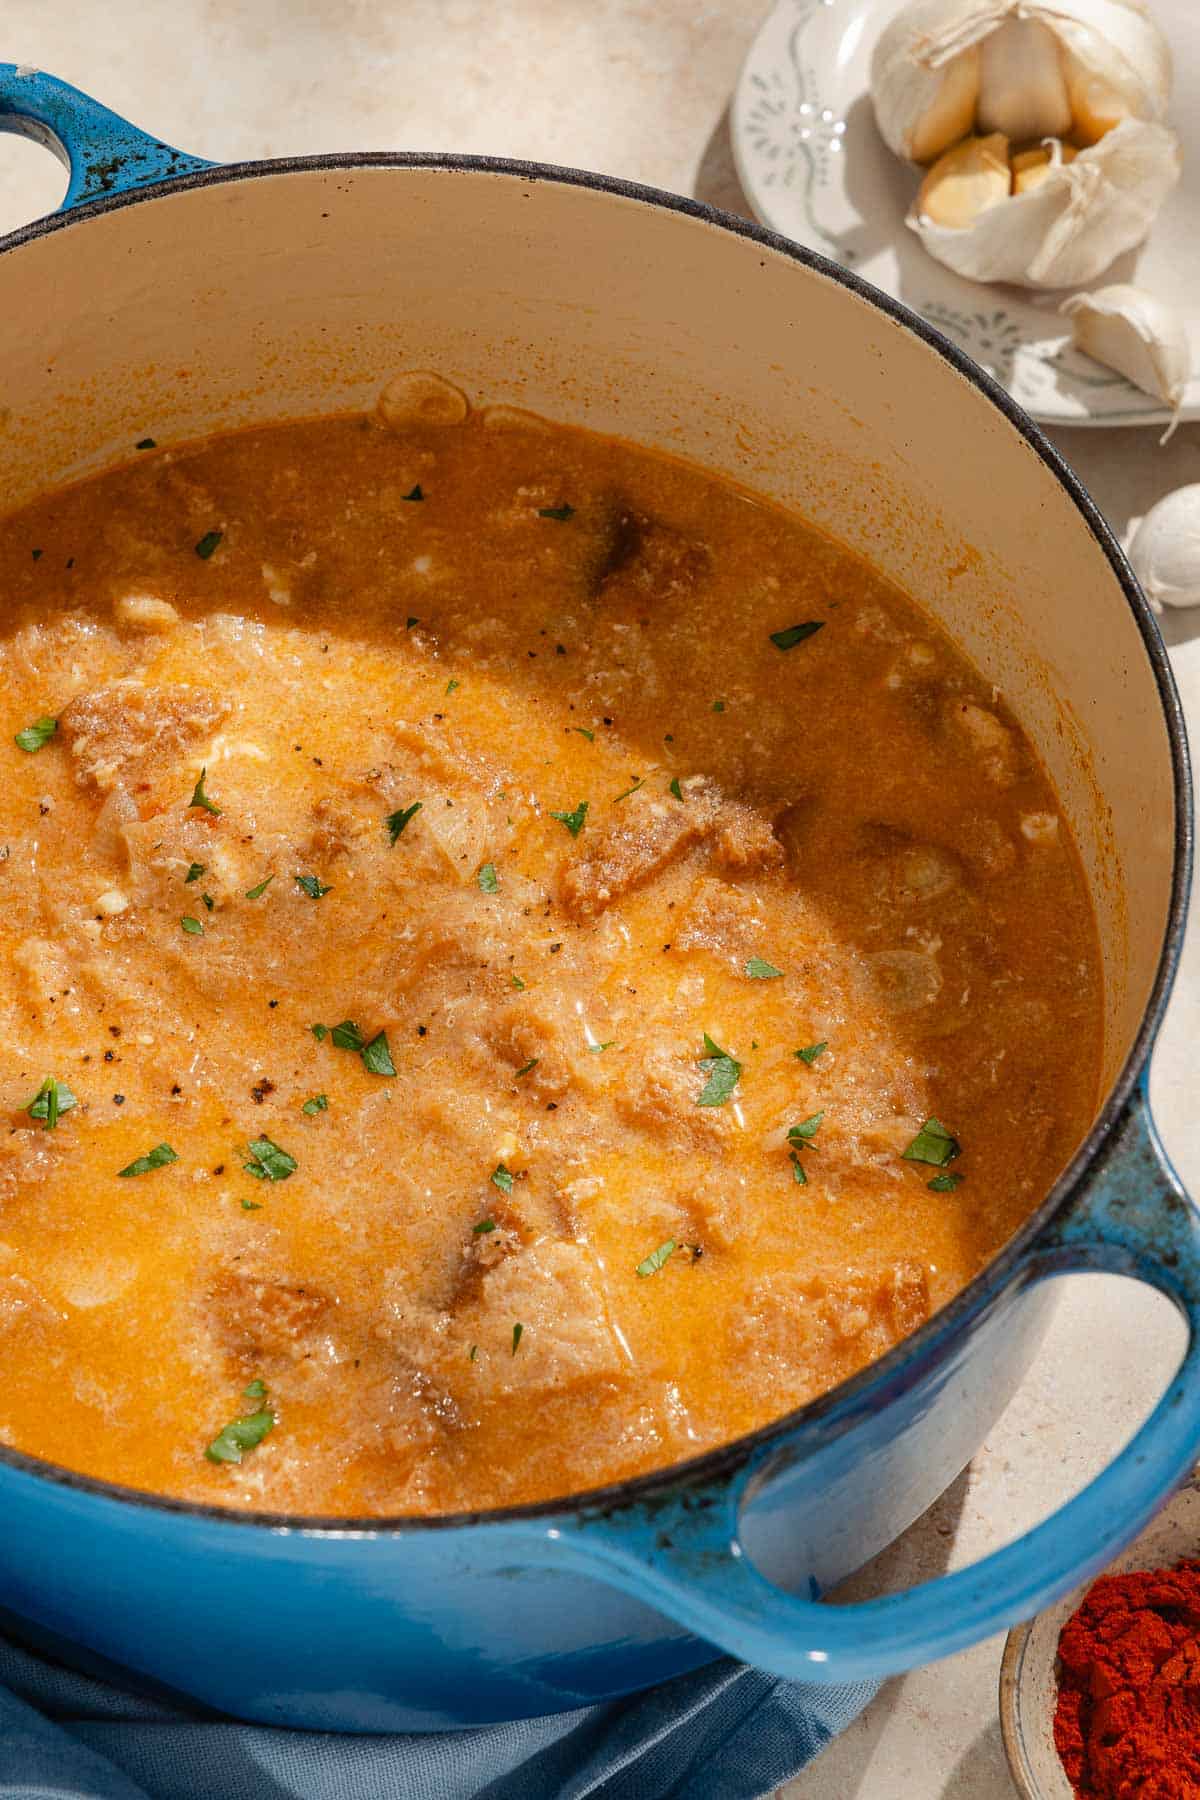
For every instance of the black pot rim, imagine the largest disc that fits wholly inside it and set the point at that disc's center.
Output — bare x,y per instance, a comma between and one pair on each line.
872,1386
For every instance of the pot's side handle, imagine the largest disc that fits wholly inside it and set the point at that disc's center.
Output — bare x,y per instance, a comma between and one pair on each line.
104,152
685,1559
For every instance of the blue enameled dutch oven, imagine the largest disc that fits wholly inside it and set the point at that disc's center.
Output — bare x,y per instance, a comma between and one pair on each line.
174,296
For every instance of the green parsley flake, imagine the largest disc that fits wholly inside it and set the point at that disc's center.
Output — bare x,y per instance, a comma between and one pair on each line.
585,733
158,1158
320,1032
452,684
377,1058
562,512
208,544
488,879
311,886
411,621
518,984
51,1101
251,1205
208,901
945,1184
398,820
483,1227
502,1178
723,1074
416,494
528,1068
933,1144
146,444
239,1436
810,1052
473,1352
319,1103
256,1391
798,1173
193,927
758,970
270,1162
195,871
803,1134
638,781
595,1049
347,1036
718,706
654,1262
200,798
34,736
573,820
796,634
257,892
518,1333
673,787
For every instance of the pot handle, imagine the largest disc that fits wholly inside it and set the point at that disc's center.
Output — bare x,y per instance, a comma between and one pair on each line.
684,1558
104,153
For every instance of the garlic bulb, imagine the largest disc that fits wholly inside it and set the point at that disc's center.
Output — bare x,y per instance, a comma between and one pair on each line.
1139,336
1063,229
1068,96
1165,550
1028,68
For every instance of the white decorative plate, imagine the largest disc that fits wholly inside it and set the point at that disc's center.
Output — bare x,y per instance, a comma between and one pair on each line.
815,169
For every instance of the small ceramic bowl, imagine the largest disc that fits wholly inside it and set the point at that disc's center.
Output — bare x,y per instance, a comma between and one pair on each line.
1029,1671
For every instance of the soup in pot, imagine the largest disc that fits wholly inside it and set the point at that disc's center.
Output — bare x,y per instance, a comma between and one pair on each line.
522,961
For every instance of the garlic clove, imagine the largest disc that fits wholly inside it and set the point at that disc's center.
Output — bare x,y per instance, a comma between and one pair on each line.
1165,550
924,70
1095,106
1138,335
950,111
1022,85
1069,228
965,182
1031,167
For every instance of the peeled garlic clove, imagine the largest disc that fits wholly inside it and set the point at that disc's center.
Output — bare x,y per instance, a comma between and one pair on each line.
965,182
1022,85
1070,227
1139,336
1165,550
1031,167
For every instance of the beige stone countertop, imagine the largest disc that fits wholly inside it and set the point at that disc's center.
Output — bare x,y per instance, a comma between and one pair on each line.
641,88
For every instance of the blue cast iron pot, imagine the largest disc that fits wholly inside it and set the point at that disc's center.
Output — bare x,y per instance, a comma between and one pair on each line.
173,296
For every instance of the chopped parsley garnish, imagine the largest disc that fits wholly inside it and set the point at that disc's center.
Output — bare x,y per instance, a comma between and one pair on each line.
398,820
377,1058
256,1391
758,970
193,927
673,787
158,1158
208,901
208,544
718,706
319,1103
411,620
597,1048
483,1227
320,1032
933,1144
810,1052
257,892
562,512
945,1184
573,820
473,1352
200,798
638,781
585,733
502,1178
239,1436
518,984
311,886
51,1101
798,1173
654,1262
452,684
146,444
723,1074
796,634
270,1163
347,1036
416,494
528,1068
251,1205
34,736
804,1133
489,881
195,871
518,1333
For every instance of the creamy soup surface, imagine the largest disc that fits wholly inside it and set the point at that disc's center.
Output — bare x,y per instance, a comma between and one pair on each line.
521,962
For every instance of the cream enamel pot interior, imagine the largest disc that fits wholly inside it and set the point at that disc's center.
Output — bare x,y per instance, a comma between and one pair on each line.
182,299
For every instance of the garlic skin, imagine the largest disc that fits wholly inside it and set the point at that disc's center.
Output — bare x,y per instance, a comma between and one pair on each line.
1165,550
1029,68
1138,335
1069,227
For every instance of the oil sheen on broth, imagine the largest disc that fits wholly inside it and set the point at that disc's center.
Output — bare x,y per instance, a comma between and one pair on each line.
483,946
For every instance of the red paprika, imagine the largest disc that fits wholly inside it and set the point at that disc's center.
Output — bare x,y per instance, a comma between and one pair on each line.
1127,1723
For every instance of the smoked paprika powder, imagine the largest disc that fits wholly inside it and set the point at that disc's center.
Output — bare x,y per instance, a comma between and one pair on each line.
1127,1722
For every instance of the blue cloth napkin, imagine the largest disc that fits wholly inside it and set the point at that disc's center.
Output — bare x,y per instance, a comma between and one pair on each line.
725,1732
